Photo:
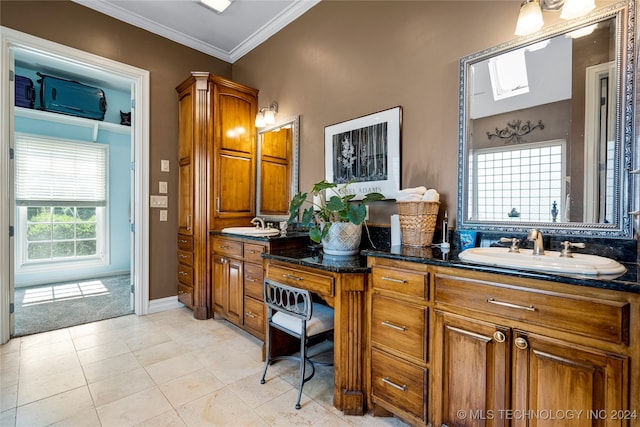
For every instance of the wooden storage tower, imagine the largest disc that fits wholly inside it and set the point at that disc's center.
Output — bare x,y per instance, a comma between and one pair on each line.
216,156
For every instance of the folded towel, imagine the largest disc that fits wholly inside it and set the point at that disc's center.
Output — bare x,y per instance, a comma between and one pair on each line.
417,190
431,195
408,197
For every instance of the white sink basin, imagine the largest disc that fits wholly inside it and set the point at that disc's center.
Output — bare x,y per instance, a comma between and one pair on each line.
252,231
550,262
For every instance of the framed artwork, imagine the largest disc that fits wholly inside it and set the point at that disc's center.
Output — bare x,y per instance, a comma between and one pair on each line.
366,152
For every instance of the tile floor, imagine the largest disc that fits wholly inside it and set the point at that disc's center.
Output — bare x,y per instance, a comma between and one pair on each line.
164,369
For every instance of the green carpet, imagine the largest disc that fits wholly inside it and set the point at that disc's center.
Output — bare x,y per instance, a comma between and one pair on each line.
60,305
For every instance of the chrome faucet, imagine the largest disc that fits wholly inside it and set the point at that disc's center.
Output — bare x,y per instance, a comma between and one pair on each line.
257,220
535,236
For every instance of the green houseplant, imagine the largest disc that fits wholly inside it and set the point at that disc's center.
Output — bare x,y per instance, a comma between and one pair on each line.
337,209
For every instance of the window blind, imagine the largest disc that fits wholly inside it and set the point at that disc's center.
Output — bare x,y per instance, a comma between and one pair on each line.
55,172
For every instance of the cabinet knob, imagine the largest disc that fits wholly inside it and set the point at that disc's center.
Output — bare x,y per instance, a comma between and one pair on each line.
499,336
521,343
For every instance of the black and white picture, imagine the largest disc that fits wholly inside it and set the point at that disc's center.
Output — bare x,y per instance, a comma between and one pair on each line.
365,152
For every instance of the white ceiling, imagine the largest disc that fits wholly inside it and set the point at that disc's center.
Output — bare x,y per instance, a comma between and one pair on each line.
228,36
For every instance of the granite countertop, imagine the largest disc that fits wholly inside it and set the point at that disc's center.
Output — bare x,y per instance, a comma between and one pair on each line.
627,282
288,235
313,257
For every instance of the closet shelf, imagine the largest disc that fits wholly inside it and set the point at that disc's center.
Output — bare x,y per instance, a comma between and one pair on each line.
72,120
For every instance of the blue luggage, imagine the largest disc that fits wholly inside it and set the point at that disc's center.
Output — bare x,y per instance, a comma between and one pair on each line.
25,92
73,98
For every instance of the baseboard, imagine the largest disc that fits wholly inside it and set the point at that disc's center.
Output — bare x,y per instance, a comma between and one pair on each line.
164,304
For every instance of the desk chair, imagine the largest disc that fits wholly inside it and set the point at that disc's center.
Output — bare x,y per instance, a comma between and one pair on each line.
292,311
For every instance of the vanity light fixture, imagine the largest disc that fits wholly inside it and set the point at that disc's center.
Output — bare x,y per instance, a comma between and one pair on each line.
217,5
530,18
267,115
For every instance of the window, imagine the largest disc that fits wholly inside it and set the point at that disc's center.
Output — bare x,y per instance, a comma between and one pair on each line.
521,182
61,195
508,74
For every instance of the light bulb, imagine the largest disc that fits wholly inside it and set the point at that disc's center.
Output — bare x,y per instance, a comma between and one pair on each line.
530,18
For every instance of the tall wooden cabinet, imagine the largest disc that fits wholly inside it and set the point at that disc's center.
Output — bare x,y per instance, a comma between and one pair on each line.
216,161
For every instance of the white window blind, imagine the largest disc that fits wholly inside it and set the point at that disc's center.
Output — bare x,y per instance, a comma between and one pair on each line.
55,172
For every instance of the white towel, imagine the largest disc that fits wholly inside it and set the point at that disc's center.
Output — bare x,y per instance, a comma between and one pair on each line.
408,197
417,190
431,195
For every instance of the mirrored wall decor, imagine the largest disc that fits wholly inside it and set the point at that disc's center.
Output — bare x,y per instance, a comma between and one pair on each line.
546,130
277,178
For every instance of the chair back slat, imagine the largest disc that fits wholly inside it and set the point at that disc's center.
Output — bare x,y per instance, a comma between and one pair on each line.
295,302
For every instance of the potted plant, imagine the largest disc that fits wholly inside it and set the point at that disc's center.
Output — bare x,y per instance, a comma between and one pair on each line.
337,223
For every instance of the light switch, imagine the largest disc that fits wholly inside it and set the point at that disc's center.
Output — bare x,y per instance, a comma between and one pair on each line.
162,187
163,215
159,201
164,165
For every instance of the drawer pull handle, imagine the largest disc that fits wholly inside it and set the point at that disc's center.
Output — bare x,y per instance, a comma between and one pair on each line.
510,305
391,279
223,260
289,276
521,343
250,314
251,279
499,336
181,292
392,326
182,256
182,273
253,251
182,241
386,380
224,247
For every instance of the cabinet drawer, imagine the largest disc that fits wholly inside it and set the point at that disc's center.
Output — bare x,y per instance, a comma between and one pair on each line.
227,247
185,274
185,257
185,295
252,252
254,281
401,281
399,326
254,316
185,242
313,282
399,383
601,319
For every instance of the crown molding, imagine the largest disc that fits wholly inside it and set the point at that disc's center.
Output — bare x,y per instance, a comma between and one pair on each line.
288,15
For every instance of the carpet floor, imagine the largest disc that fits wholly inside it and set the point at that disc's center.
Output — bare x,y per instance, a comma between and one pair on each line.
60,305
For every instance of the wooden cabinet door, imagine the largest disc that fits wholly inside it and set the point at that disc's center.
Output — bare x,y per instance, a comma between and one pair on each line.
185,160
227,288
553,375
472,371
234,153
235,296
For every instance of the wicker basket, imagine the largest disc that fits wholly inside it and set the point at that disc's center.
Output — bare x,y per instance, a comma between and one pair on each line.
418,222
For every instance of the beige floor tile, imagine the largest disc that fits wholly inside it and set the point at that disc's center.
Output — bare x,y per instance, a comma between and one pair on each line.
220,408
13,346
134,408
118,386
158,353
8,418
255,394
190,387
54,409
8,396
230,367
85,418
34,368
45,338
40,353
145,337
331,420
369,421
102,351
281,410
106,368
34,388
166,419
173,368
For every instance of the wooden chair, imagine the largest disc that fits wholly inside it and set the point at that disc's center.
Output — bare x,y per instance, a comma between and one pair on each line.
291,310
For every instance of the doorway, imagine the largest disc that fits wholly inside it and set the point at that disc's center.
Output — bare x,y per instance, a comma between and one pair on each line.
19,49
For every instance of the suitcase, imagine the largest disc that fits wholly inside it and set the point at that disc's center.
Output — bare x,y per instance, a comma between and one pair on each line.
70,97
25,92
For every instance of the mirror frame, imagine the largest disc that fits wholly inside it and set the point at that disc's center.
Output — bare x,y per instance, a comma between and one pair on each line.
624,14
295,169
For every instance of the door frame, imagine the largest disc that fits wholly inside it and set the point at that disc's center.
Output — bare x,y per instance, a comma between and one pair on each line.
140,141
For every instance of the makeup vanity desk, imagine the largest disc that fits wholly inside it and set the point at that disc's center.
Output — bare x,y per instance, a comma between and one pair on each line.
341,282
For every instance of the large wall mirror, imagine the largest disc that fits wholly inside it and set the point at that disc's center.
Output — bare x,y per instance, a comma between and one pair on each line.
277,180
546,129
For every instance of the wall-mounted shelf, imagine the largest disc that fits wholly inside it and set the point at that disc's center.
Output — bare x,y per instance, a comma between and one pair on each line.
72,120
